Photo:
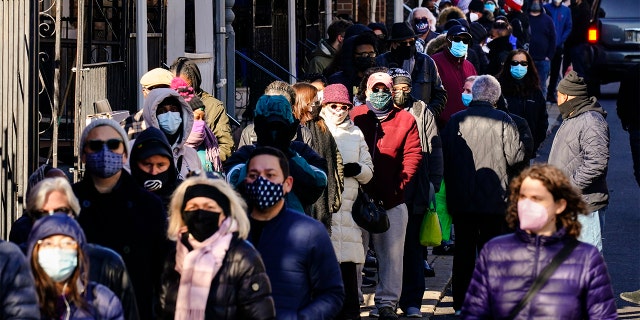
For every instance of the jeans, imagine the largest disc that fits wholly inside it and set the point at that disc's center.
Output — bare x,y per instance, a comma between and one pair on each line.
543,67
472,232
592,226
389,248
413,265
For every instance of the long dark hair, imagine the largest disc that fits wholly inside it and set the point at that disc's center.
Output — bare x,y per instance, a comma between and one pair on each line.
47,289
527,85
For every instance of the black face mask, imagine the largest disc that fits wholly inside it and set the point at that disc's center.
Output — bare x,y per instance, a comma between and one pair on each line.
403,52
362,63
152,182
202,224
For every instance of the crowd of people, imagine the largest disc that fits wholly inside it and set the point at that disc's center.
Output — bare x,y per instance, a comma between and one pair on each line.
176,219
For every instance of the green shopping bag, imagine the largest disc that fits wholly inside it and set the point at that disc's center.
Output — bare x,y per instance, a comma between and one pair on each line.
430,231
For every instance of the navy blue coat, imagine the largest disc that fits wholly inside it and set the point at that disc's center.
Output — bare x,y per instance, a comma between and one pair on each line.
18,298
579,289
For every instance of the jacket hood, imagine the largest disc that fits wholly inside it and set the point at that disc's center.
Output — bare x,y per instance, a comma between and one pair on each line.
436,45
580,105
324,49
151,105
148,135
53,225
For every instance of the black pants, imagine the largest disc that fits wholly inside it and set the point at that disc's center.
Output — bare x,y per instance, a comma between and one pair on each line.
412,265
472,232
554,74
351,306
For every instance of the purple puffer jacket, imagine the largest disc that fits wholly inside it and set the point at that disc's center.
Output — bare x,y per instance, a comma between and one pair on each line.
579,289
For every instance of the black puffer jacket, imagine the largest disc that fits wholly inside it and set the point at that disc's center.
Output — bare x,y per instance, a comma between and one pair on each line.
533,108
18,298
240,290
480,145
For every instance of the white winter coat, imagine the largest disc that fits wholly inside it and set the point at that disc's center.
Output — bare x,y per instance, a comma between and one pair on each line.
346,236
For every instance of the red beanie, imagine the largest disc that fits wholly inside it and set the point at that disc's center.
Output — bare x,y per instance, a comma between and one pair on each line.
336,93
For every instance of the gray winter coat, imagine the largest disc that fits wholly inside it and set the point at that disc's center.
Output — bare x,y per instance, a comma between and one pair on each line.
581,149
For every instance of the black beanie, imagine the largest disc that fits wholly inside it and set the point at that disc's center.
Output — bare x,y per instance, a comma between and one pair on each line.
573,85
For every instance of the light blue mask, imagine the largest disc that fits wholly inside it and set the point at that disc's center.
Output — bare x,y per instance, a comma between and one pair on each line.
58,263
458,49
169,122
466,99
518,71
490,7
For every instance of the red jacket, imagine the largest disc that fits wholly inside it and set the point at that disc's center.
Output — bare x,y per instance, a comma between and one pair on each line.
453,71
397,153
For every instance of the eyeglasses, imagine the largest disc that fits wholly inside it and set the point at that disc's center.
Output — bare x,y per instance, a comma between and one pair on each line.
464,40
64,244
97,145
380,36
366,54
342,107
405,89
65,210
516,62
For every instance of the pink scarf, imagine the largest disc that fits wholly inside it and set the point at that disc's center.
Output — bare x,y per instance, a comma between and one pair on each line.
198,268
201,133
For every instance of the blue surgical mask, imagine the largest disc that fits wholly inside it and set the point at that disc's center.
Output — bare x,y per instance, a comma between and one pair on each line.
170,122
518,71
380,100
490,7
104,163
58,263
466,99
458,49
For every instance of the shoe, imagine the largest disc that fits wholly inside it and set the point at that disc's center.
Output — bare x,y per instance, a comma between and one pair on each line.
387,313
457,313
370,261
374,313
443,250
633,296
368,283
413,312
428,270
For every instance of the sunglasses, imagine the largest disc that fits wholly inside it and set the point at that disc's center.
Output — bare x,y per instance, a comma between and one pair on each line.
342,107
464,40
97,145
365,54
522,63
407,44
385,89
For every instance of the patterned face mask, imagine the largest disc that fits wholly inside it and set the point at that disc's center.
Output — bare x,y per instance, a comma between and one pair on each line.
104,163
264,193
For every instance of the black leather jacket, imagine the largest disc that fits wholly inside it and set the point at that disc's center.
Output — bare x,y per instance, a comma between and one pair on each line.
240,290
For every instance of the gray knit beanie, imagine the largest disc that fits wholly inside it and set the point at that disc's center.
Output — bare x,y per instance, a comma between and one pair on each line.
486,88
105,122
573,85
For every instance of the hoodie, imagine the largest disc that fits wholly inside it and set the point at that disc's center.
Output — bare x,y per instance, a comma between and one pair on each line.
185,157
153,138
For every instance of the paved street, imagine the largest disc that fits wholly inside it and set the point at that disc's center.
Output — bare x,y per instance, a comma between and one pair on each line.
622,229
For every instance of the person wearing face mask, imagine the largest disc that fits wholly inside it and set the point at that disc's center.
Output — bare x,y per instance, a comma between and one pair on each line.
544,210
423,23
110,199
478,13
418,194
581,150
561,16
521,89
310,286
480,146
166,110
60,269
490,6
212,272
152,164
543,44
392,136
454,69
346,236
426,83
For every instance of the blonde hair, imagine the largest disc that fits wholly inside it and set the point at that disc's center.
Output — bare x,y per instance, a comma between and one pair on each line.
237,206
38,194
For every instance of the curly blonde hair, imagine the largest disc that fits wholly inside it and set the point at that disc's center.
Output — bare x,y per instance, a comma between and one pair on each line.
237,206
559,186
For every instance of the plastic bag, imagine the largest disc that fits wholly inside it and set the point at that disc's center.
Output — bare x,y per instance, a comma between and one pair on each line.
430,230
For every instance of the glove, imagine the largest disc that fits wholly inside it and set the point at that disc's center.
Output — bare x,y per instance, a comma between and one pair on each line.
351,169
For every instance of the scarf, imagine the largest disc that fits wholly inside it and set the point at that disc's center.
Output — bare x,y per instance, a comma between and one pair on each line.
198,268
201,133
383,113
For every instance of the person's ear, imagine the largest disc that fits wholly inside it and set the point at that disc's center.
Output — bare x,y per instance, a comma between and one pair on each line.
561,205
287,184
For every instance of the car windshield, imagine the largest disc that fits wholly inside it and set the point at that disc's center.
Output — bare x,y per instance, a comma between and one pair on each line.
620,8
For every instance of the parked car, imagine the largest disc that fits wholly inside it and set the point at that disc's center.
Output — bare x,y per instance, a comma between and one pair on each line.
614,35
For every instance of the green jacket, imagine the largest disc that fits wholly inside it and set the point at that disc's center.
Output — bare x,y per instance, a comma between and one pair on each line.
218,121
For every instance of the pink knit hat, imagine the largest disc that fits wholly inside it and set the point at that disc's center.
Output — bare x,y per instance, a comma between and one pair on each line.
336,93
379,77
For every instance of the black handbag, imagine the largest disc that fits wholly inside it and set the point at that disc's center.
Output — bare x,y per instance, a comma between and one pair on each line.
369,214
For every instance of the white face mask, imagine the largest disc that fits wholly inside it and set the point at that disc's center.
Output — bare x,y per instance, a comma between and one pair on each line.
473,17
